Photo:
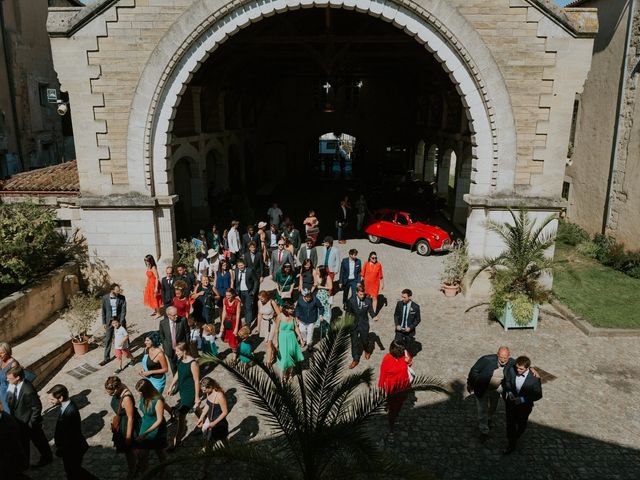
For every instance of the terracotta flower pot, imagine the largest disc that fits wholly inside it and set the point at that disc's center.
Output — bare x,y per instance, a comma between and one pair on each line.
80,348
450,290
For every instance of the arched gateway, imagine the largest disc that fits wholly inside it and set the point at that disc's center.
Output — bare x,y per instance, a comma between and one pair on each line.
495,88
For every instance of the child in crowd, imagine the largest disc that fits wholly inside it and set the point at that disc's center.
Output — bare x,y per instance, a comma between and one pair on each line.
121,343
245,350
209,346
195,333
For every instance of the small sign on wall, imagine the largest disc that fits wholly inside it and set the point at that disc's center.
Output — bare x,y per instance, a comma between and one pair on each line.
52,95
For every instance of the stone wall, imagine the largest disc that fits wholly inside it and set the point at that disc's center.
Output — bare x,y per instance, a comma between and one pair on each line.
25,310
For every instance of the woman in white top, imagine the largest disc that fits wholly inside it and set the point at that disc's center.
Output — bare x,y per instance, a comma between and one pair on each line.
268,309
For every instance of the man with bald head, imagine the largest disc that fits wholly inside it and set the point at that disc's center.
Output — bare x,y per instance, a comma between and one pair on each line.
485,380
173,330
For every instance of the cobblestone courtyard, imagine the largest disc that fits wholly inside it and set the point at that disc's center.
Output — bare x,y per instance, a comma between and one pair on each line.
586,426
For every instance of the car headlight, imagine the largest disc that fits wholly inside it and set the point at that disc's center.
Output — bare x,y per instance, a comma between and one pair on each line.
437,237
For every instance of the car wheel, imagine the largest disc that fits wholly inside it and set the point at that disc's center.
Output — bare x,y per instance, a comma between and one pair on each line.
423,248
374,239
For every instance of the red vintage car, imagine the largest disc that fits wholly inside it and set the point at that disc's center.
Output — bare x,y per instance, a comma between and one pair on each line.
400,227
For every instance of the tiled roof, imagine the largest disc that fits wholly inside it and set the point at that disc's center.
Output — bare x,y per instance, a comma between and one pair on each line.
57,178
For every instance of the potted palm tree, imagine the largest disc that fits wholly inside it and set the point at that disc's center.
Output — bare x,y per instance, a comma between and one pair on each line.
516,289
80,316
319,418
456,264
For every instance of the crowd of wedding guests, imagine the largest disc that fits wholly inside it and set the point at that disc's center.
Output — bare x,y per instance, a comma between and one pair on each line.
219,305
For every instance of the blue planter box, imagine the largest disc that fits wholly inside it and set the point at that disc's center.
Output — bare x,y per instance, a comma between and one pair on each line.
507,320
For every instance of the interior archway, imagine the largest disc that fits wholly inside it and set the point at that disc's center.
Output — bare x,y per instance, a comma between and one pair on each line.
476,129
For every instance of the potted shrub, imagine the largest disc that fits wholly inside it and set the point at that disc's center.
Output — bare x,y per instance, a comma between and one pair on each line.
516,290
80,317
456,264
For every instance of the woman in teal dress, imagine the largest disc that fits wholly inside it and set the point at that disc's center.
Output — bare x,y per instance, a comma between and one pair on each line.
288,341
126,423
284,282
187,381
153,428
154,362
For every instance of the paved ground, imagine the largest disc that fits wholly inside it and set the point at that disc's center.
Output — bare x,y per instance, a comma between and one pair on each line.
586,426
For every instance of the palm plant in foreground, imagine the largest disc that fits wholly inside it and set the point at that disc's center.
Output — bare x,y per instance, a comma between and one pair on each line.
319,418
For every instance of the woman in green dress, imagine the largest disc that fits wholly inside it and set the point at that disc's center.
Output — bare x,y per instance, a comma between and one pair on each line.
153,428
284,279
187,381
288,338
126,422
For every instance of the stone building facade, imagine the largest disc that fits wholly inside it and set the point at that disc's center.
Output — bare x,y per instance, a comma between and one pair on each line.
603,175
158,130
31,133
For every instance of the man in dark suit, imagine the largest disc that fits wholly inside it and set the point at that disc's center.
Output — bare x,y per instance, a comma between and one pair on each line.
186,276
293,234
26,408
485,381
253,260
278,258
114,304
250,236
70,443
406,318
308,251
247,285
521,390
168,292
350,278
172,330
361,308
12,456
342,220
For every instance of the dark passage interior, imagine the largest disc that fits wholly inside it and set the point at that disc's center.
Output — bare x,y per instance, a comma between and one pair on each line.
248,126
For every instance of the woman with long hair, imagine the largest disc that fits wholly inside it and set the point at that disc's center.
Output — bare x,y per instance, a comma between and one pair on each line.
153,428
213,420
125,423
312,226
306,281
288,341
268,310
186,383
394,377
284,279
262,234
213,239
152,290
373,279
223,281
324,287
154,362
230,320
6,362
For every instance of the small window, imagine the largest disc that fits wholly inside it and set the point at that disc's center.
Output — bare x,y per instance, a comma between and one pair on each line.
565,190
388,217
401,220
42,93
574,123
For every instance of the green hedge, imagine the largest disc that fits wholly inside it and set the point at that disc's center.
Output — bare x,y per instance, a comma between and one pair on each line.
29,244
600,247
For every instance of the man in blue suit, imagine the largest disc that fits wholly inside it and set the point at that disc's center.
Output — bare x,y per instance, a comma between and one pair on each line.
350,269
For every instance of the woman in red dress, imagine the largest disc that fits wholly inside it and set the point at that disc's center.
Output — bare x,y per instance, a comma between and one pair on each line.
152,291
181,301
230,319
373,280
394,376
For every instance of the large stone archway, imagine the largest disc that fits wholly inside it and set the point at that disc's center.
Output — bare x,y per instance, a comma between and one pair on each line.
516,66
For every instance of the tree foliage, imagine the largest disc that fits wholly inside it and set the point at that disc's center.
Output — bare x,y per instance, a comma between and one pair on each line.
29,243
